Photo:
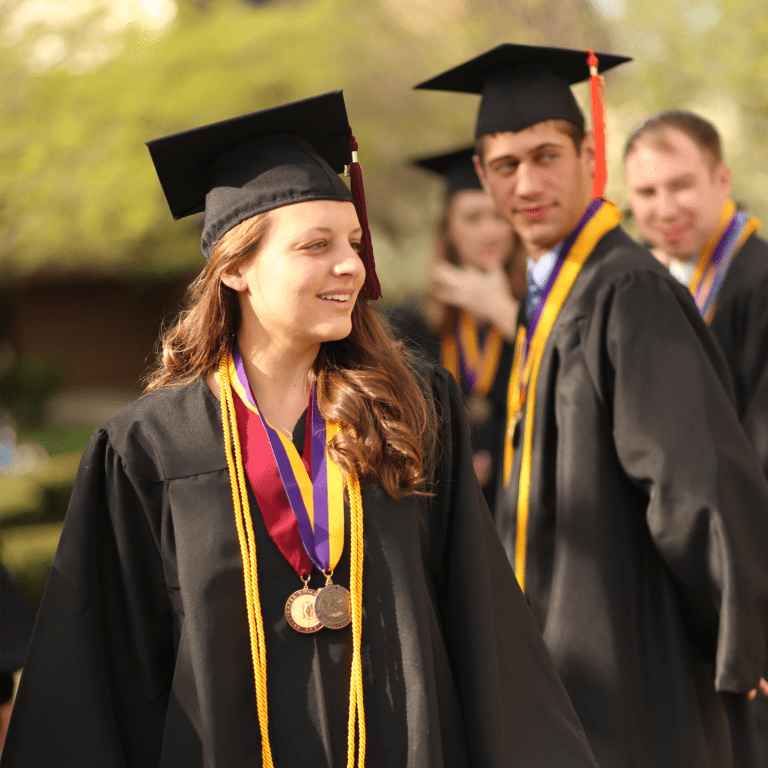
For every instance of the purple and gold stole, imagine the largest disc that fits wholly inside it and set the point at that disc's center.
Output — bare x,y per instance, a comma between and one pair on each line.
301,498
601,216
716,257
471,361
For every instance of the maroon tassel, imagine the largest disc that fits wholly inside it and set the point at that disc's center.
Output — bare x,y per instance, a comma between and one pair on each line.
371,288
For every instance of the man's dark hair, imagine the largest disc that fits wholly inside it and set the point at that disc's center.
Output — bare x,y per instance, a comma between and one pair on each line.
576,132
696,128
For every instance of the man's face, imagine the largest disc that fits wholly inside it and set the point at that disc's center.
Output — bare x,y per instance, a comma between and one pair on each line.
676,191
538,181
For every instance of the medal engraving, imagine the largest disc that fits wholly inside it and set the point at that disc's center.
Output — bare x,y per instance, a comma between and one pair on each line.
300,611
332,606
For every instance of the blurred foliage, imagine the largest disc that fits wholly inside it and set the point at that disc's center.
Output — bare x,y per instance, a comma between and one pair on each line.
27,552
57,439
710,56
26,384
77,188
32,509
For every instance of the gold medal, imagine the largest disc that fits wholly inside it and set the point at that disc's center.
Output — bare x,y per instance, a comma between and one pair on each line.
480,409
300,611
332,606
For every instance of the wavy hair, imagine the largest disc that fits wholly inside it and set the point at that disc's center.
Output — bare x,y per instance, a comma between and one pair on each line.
368,382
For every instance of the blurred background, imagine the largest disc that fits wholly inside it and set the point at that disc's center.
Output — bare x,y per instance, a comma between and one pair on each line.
91,263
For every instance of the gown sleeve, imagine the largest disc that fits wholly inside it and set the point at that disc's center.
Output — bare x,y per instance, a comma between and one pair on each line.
752,372
95,685
515,708
17,617
678,438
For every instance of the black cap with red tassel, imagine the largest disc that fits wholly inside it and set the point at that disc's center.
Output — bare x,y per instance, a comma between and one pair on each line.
371,287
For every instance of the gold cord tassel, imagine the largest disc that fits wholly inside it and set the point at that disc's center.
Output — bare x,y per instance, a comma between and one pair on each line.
245,535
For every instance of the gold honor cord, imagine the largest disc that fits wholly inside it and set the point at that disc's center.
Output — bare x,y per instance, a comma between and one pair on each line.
449,356
483,361
604,220
703,277
245,535
514,404
709,249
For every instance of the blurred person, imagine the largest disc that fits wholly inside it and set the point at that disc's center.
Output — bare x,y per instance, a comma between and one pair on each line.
280,555
680,193
17,618
467,322
634,510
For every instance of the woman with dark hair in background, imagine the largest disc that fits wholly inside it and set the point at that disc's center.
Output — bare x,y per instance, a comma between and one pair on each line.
280,555
467,321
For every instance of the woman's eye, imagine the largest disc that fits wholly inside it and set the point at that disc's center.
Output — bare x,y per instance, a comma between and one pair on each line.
316,245
357,245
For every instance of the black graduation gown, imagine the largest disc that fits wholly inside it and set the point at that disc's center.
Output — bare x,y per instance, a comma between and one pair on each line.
17,617
408,321
740,324
648,522
141,656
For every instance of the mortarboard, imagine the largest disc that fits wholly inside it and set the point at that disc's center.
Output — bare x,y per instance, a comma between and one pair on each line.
522,85
237,168
457,168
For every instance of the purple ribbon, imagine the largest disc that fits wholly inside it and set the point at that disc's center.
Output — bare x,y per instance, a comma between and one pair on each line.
594,206
316,542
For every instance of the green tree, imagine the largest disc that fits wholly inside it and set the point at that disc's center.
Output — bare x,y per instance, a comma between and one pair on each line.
77,189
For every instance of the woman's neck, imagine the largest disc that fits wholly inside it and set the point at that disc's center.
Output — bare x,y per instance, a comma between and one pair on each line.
279,377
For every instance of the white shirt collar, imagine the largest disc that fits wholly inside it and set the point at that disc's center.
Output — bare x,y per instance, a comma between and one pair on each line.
540,270
683,270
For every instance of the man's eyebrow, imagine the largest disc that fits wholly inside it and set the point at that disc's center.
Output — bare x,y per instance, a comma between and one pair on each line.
533,150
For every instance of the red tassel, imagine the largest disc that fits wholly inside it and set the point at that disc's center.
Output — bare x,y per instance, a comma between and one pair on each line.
598,126
371,288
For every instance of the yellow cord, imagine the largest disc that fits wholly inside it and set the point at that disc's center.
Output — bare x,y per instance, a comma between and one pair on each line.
356,707
248,552
245,535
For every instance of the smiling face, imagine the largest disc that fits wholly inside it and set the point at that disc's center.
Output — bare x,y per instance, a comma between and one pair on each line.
300,287
538,181
677,192
481,237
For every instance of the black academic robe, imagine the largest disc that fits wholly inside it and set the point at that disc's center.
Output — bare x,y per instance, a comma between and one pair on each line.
409,323
648,531
17,617
141,658
740,324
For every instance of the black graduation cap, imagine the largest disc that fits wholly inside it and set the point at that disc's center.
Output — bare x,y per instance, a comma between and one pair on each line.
457,168
522,85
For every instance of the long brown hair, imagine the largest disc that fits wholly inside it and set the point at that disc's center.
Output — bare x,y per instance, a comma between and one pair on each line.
367,382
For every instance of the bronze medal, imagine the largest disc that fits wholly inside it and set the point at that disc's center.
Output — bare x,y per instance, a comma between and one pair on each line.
480,409
332,606
300,611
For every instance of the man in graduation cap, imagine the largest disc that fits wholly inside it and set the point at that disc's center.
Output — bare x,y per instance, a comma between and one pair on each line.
633,508
680,192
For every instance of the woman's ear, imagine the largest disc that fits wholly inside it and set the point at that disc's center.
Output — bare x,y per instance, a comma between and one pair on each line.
234,280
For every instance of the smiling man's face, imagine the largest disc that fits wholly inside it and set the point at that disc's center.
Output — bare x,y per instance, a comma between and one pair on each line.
539,182
677,192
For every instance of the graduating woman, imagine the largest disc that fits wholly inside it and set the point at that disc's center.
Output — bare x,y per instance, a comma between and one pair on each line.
280,555
467,322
